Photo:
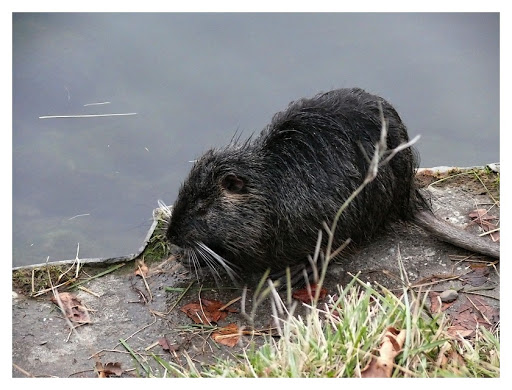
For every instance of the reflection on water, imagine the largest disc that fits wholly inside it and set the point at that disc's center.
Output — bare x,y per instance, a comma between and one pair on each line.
193,80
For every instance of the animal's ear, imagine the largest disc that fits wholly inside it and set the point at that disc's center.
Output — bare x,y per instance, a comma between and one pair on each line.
233,183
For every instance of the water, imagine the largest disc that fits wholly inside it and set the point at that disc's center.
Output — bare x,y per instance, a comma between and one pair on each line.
194,80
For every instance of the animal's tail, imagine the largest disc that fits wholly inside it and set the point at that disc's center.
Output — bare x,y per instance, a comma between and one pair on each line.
449,233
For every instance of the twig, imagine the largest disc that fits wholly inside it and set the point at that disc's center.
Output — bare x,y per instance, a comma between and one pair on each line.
79,215
95,104
486,189
489,232
480,311
230,303
85,116
26,373
112,269
145,283
88,291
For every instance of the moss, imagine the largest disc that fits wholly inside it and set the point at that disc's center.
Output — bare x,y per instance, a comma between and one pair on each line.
158,246
31,280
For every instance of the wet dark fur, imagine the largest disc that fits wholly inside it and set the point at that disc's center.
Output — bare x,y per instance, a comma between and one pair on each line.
259,204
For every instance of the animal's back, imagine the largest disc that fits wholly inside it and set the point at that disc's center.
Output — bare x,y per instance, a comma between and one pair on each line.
317,152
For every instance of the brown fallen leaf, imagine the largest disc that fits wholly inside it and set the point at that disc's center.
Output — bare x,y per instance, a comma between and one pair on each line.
477,276
470,315
108,369
434,303
141,268
166,346
206,311
382,366
460,330
228,335
72,307
482,218
303,295
481,215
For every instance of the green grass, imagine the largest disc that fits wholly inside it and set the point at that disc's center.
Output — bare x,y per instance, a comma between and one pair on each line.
338,339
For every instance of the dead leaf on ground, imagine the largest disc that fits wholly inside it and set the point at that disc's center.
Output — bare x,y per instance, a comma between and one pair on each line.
482,218
109,369
166,346
305,296
73,308
206,311
228,335
435,303
141,268
448,357
477,276
481,215
382,366
465,321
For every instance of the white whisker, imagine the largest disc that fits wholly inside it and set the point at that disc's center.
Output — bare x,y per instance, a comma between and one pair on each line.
209,261
226,265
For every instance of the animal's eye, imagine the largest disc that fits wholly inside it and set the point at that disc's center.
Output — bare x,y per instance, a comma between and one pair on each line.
233,183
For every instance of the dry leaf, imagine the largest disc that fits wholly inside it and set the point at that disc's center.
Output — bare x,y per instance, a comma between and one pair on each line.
142,268
73,308
206,311
109,369
303,295
470,315
481,218
382,366
477,277
227,335
434,303
459,330
481,215
166,346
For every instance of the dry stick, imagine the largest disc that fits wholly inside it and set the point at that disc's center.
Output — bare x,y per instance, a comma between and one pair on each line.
89,291
96,104
406,285
79,215
489,232
480,294
229,303
77,262
112,269
26,373
145,283
486,189
85,116
447,178
482,314
44,291
436,282
33,282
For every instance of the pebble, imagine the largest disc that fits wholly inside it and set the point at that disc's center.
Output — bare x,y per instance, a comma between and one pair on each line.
448,295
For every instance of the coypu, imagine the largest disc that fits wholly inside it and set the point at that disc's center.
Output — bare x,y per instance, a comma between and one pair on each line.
259,204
